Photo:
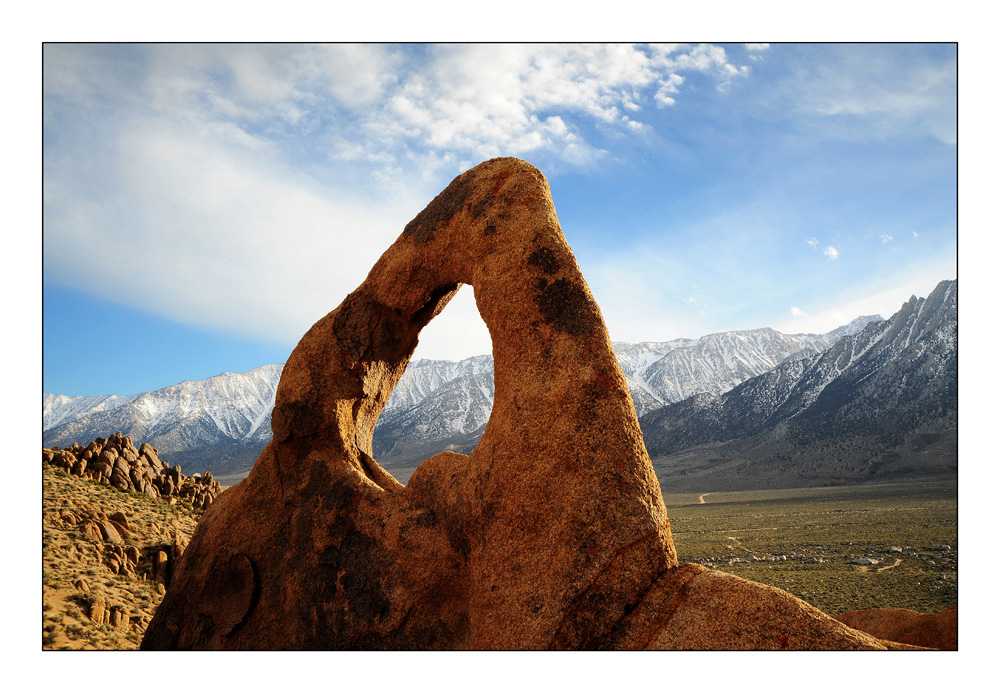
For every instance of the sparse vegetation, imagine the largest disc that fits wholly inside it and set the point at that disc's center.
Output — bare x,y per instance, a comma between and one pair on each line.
804,541
800,540
76,567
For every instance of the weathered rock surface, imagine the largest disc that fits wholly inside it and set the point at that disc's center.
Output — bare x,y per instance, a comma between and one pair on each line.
551,534
938,631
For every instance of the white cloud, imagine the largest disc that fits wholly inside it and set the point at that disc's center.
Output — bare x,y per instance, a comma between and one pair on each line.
798,312
756,50
220,239
491,99
886,238
671,85
357,75
396,109
831,252
915,234
813,242
199,168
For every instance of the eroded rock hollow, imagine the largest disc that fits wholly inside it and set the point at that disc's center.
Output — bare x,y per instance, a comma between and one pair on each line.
552,534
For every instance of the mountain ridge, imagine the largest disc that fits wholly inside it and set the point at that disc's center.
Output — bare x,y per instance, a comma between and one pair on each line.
223,422
882,401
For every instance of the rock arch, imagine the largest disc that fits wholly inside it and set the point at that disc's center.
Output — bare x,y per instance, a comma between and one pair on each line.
552,533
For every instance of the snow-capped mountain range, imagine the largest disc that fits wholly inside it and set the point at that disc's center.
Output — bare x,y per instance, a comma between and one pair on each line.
882,402
444,403
223,422
661,373
195,413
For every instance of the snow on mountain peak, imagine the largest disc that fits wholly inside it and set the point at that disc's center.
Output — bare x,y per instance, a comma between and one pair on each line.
433,398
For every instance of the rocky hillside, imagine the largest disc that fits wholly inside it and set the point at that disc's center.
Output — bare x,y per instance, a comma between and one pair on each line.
881,403
117,462
107,557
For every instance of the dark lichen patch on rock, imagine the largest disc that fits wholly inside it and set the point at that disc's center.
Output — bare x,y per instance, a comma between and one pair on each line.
544,259
363,562
484,204
566,306
496,222
295,415
441,209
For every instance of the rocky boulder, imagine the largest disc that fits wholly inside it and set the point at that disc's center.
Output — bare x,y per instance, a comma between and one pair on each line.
117,462
938,631
551,534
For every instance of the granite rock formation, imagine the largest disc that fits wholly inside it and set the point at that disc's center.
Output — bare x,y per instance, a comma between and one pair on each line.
117,462
551,534
936,631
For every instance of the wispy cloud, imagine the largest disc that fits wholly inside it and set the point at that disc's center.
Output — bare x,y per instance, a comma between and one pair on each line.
798,312
890,91
397,109
285,169
831,252
886,238
204,218
479,101
696,304
813,243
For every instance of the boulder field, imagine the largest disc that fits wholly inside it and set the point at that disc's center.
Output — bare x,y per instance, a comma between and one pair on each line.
116,461
552,534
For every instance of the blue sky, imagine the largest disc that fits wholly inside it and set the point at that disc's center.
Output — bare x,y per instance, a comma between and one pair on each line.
205,204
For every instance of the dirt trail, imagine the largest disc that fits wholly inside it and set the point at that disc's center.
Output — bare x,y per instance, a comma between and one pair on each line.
701,498
889,567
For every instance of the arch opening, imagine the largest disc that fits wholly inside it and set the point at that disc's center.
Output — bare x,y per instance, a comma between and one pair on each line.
444,399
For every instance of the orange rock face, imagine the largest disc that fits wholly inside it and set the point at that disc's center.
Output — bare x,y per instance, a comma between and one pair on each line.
552,534
938,631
